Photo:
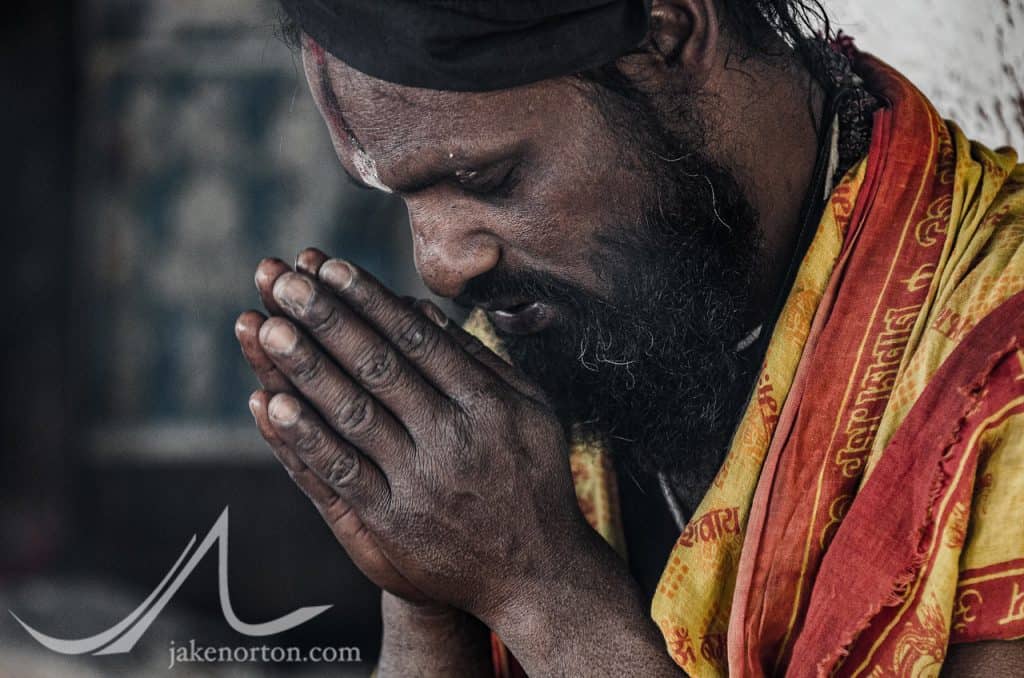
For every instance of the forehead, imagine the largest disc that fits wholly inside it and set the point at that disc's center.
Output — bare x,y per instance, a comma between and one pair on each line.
393,121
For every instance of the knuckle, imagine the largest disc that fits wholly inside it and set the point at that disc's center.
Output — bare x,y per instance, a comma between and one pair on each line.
488,395
354,414
322,314
463,458
416,337
461,441
489,402
307,366
341,469
474,347
377,366
309,439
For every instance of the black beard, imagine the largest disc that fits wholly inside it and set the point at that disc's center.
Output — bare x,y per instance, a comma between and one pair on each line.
655,369
654,366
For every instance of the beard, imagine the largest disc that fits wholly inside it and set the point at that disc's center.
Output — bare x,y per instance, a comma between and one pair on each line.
653,367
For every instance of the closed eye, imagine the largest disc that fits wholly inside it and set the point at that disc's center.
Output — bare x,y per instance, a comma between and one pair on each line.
493,182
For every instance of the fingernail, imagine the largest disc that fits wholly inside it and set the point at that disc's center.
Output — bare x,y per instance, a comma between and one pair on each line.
253,404
278,337
261,274
434,313
283,409
309,260
337,273
293,290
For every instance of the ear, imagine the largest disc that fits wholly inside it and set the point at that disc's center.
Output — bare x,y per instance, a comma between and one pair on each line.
683,36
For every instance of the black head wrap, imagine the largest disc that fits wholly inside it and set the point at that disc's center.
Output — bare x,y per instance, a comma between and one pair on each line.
472,45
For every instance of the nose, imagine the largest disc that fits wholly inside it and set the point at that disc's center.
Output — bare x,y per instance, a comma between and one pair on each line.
451,248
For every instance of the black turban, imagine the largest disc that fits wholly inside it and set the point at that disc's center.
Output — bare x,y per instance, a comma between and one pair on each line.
472,45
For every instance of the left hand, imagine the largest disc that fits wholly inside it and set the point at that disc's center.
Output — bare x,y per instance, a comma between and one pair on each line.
448,456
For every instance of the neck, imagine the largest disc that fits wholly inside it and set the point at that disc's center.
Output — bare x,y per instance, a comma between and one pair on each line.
769,115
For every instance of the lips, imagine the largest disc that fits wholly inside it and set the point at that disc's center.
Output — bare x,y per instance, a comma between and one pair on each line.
521,318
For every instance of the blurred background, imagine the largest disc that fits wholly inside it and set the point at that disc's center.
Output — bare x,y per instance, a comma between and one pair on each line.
154,152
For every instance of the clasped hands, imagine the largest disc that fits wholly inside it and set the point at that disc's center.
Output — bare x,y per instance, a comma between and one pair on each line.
439,467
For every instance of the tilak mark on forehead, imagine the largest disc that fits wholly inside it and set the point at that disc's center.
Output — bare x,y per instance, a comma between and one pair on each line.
364,165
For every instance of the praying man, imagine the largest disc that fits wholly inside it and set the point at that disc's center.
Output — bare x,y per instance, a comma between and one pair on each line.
741,389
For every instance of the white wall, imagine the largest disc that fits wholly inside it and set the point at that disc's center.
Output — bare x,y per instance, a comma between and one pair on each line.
966,55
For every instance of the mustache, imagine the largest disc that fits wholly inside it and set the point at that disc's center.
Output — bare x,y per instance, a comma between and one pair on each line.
534,285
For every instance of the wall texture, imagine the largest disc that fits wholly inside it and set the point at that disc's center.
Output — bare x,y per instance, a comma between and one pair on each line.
966,55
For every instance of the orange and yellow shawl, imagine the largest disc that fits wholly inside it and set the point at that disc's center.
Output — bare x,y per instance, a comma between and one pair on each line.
871,507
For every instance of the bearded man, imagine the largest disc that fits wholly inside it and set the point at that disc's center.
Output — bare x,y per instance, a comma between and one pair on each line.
743,392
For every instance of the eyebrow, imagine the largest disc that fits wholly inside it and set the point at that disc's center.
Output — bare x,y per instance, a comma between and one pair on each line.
424,180
430,175
419,181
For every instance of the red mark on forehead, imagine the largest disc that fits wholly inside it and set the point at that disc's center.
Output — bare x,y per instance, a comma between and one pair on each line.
316,50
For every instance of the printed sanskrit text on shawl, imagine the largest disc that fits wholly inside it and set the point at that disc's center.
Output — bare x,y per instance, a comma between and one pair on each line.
869,510
881,428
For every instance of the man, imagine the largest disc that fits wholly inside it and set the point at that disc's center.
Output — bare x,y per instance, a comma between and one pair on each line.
742,278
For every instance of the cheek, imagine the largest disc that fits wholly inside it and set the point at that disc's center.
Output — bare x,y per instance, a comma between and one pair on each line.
582,192
577,202
581,178
554,230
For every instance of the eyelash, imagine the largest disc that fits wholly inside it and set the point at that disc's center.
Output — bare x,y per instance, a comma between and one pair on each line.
500,188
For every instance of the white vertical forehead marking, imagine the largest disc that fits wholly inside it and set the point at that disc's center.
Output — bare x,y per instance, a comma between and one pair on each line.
366,168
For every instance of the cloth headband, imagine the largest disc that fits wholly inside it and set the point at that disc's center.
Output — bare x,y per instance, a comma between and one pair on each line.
472,45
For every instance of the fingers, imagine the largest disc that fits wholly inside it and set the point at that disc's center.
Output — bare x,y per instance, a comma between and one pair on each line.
247,329
360,350
481,353
267,273
248,324
350,474
345,405
316,489
309,260
340,516
423,342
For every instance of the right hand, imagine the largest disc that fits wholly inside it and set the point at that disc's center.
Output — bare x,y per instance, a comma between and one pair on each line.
343,522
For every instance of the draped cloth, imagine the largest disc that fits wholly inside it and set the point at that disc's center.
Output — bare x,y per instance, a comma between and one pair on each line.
870,510
472,45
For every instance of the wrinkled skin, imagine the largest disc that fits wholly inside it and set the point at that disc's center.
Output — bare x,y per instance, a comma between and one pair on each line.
424,402
406,433
440,469
416,445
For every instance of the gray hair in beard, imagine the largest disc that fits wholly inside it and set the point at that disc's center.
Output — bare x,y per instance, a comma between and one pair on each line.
654,368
